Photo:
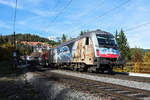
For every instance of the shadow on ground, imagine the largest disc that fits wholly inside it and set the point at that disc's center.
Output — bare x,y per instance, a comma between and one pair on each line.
15,89
12,85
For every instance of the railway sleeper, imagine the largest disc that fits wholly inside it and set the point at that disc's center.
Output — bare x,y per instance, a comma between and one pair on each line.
125,93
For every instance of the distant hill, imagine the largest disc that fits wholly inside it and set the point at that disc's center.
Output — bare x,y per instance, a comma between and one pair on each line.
146,50
143,50
25,37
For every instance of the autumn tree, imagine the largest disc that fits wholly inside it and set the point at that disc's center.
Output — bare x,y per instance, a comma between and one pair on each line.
137,55
137,59
147,59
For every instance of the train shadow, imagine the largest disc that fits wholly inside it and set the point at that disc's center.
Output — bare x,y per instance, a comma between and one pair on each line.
121,73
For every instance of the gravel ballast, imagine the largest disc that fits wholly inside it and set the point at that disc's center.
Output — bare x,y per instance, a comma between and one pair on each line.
52,90
128,83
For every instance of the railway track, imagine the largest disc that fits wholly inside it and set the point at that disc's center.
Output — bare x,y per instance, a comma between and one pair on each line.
115,91
115,75
100,89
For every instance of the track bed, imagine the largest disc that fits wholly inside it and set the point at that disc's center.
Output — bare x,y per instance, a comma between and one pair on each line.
101,89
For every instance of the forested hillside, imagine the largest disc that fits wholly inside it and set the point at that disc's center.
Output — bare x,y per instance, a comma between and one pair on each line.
25,37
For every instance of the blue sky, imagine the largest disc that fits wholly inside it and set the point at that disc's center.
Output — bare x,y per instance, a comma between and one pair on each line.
36,16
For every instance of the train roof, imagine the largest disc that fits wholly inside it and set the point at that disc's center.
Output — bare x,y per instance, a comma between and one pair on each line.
86,34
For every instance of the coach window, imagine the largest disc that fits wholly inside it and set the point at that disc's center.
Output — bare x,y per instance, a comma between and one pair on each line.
87,41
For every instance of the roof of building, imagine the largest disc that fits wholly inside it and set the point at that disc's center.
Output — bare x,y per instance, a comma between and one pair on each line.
36,43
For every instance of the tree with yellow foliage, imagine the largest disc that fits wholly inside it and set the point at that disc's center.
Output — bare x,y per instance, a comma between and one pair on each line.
137,59
147,62
147,58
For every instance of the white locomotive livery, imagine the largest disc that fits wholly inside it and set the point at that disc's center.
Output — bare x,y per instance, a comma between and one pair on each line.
94,51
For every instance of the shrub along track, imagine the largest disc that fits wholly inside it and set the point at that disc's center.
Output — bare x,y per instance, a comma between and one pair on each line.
101,89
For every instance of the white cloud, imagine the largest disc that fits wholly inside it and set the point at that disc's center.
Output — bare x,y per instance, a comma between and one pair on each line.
25,6
4,25
9,3
43,13
32,2
21,22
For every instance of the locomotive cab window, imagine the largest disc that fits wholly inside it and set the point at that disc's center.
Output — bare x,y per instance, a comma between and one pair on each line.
106,40
87,41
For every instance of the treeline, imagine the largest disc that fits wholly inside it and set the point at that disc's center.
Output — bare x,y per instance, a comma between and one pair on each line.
140,62
127,53
138,58
25,37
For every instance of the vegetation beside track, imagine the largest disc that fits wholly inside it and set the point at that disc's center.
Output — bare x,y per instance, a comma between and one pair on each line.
137,67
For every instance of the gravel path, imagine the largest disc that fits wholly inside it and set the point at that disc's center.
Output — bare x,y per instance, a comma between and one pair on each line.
133,84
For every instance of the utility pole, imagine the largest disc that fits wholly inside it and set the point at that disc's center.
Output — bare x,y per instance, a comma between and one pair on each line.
14,26
15,40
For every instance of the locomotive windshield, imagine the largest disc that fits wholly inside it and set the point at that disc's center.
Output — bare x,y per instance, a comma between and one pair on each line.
106,40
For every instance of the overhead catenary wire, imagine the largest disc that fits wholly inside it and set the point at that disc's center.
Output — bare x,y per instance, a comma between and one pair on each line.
95,8
65,7
105,13
137,26
62,10
56,5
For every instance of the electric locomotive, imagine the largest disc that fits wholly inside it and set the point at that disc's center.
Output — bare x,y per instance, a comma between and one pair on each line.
93,51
